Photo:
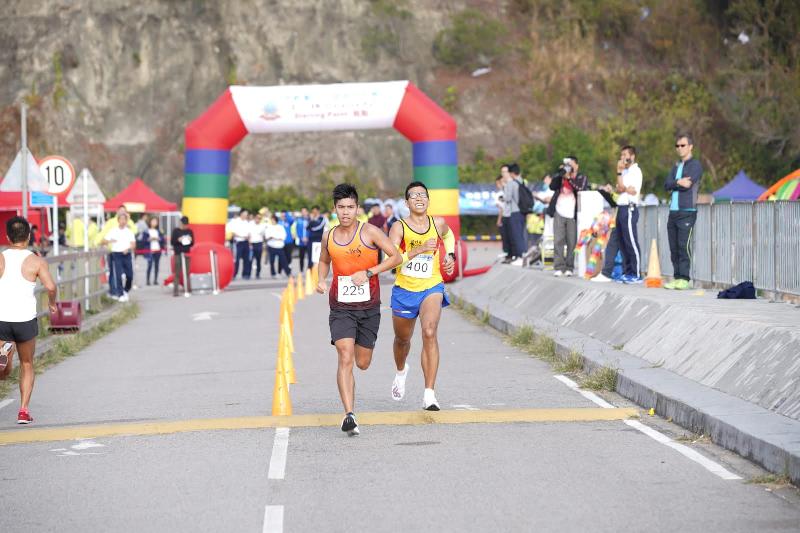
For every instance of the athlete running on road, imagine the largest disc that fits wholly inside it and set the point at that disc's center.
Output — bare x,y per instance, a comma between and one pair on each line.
419,289
355,298
19,270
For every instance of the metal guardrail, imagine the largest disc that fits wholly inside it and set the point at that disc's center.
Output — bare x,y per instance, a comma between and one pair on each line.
734,242
78,277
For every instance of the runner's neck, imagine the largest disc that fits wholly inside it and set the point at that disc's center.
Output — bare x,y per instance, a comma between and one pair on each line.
418,222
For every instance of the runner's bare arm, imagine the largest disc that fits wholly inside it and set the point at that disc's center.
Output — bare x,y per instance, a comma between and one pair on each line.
43,273
393,256
449,244
324,264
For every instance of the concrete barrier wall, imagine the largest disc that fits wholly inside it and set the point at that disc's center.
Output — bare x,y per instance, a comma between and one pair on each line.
745,348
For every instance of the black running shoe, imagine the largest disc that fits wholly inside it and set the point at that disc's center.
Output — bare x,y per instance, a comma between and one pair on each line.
349,425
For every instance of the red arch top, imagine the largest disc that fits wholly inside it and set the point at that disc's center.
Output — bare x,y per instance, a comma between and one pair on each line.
421,119
219,128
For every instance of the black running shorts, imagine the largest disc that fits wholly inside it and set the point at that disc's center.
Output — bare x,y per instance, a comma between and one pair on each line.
359,324
19,331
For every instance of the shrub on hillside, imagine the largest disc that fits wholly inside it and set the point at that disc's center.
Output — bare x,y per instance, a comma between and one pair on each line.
473,39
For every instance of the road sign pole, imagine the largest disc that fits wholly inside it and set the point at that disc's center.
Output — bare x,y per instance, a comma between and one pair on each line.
24,152
55,225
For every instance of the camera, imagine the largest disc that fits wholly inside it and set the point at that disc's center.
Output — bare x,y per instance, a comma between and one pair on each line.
564,169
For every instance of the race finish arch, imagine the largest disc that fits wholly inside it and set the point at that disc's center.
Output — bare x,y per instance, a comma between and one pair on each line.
300,108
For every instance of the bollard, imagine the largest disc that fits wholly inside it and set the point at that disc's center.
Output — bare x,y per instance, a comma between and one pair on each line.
212,256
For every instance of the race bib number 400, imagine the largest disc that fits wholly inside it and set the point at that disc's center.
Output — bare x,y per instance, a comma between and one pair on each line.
419,267
349,292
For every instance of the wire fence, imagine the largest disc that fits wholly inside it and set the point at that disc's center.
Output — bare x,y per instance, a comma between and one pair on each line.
734,242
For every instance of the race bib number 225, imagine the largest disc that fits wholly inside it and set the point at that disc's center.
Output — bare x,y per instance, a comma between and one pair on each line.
349,292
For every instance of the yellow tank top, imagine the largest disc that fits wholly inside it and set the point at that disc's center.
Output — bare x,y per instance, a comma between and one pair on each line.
421,272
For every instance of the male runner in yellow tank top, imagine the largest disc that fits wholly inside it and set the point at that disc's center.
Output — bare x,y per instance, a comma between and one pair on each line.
419,289
355,297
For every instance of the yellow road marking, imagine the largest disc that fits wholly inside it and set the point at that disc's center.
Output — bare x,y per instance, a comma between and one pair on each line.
590,414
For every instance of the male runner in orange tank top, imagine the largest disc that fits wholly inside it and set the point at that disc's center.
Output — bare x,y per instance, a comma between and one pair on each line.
355,298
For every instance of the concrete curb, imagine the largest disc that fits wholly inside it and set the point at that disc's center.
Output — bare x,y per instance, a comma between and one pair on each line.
756,433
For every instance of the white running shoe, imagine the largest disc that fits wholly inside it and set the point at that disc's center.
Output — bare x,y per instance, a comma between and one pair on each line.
568,273
124,298
429,402
399,384
516,262
600,278
558,274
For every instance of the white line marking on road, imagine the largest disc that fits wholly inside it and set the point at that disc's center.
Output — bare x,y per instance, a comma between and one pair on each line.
464,407
86,444
702,460
689,453
276,295
6,402
280,448
585,393
273,519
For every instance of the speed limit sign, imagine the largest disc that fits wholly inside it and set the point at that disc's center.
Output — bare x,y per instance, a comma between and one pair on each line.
58,172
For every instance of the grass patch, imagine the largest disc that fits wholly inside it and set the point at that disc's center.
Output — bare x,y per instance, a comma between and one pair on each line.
523,336
470,310
69,345
770,479
604,378
619,347
573,363
544,348
485,316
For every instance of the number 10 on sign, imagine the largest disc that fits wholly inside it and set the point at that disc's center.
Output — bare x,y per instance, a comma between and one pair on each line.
60,175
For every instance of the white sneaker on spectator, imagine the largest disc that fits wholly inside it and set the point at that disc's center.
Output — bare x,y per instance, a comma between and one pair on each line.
568,273
517,262
600,278
558,273
124,298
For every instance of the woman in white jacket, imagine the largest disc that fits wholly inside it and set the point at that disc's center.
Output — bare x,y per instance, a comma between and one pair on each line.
275,236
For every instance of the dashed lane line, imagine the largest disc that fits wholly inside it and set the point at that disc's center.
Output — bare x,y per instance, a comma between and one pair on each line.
77,432
280,449
6,402
273,519
689,453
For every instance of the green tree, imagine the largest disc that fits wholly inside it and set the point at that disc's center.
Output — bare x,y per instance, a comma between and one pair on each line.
473,39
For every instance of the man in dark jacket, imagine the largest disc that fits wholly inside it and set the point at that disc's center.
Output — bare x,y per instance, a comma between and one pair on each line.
182,240
683,182
564,210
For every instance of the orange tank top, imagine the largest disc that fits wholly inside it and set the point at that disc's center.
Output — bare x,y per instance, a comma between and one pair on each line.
347,259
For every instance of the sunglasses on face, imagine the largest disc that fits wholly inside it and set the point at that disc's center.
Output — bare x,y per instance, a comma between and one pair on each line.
415,195
681,145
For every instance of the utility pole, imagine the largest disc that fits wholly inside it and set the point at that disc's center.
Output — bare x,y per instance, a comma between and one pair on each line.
24,153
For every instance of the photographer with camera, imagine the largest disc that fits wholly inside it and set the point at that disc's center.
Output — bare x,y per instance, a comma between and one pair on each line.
566,184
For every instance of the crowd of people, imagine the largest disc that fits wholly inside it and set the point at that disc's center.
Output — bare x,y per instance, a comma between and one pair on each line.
528,208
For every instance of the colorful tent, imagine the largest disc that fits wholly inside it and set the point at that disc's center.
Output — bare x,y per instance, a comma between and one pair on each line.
787,188
139,198
740,188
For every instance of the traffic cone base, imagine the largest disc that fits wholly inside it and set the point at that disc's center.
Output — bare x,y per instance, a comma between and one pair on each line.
653,279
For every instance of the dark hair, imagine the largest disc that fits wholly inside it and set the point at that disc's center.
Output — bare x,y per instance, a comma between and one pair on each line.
315,207
630,149
498,178
415,184
274,217
503,165
184,220
243,212
513,168
344,190
685,135
18,230
574,159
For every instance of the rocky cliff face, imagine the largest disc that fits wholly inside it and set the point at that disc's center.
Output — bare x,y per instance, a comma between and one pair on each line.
112,84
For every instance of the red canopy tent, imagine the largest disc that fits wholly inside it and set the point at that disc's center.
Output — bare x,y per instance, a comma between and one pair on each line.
139,198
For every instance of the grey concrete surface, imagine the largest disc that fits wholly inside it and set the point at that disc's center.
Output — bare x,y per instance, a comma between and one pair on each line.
514,297
164,365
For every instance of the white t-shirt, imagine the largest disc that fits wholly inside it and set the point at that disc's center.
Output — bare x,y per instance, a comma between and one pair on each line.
275,235
631,177
565,205
240,229
155,245
121,239
257,232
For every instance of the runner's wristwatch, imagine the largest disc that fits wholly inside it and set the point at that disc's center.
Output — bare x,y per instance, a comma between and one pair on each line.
370,273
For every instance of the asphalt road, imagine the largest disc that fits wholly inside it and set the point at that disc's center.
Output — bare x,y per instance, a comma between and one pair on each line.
214,357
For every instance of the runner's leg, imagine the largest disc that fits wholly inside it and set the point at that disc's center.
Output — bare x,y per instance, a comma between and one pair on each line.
363,357
403,330
429,314
26,374
344,375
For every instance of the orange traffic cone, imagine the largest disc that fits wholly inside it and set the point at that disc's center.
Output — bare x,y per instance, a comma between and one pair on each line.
290,290
281,403
286,315
285,352
315,276
653,279
309,283
301,292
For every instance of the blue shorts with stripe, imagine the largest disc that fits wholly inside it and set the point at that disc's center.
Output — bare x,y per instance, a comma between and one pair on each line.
405,303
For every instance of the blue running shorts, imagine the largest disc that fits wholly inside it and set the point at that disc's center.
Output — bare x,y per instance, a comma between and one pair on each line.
405,303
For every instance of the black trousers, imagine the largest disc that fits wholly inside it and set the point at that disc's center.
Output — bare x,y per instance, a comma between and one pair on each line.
257,252
627,218
679,230
505,234
304,252
280,255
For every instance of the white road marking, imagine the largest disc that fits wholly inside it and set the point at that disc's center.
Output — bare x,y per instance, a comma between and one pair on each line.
280,448
276,295
204,315
464,407
689,453
589,395
6,402
86,444
273,519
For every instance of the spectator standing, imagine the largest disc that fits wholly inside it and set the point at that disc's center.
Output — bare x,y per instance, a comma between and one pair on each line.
276,244
156,243
256,239
240,230
683,182
316,227
376,218
388,214
302,241
629,187
515,219
286,221
564,210
500,202
182,240
19,270
123,246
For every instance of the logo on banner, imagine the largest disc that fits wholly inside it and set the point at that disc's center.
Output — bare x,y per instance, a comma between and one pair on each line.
270,112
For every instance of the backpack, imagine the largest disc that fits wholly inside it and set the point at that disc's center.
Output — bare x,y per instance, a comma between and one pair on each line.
525,198
743,291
